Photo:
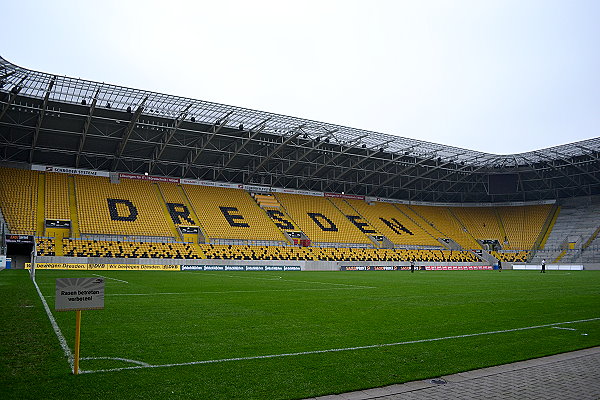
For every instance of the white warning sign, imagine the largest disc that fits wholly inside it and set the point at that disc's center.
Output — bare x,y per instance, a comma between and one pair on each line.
79,294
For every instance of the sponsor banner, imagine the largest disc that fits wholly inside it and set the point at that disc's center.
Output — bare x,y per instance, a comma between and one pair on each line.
19,239
234,268
395,201
374,268
407,268
355,268
110,267
556,267
149,178
214,268
273,268
72,171
240,268
458,267
437,204
294,191
253,188
192,267
208,183
345,196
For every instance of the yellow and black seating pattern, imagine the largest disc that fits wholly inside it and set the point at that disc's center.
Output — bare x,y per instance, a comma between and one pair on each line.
56,200
322,222
442,219
511,256
393,224
18,199
128,249
166,250
45,246
231,214
129,208
176,204
523,224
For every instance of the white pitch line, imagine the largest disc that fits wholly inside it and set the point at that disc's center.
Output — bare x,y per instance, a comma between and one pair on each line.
233,291
59,335
279,278
566,329
373,346
114,279
117,359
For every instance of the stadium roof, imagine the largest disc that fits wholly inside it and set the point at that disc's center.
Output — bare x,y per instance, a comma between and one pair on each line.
62,121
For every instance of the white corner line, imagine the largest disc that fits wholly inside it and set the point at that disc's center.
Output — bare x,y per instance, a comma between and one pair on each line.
342,349
59,335
143,364
114,279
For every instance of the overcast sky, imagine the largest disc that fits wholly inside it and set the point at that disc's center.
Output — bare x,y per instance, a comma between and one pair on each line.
496,76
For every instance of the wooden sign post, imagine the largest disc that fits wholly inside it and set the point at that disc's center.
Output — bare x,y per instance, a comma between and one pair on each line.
76,294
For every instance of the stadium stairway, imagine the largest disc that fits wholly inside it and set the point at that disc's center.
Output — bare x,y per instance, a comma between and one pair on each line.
160,192
280,217
574,226
73,209
350,212
424,225
500,226
465,227
40,204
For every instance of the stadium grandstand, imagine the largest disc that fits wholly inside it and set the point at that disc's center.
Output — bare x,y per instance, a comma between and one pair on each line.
97,173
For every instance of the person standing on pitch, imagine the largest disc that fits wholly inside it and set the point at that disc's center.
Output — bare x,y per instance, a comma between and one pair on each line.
544,266
412,266
499,265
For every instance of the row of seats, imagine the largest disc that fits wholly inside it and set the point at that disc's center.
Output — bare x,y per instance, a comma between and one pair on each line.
511,256
231,214
320,220
18,199
124,249
131,207
523,224
45,246
133,249
56,202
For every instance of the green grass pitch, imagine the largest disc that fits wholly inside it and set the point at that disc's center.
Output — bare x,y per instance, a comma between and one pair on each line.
203,335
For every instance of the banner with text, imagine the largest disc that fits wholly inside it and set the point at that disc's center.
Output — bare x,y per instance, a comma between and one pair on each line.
105,267
241,268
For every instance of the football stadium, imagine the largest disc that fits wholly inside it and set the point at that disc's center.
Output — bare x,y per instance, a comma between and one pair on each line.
247,254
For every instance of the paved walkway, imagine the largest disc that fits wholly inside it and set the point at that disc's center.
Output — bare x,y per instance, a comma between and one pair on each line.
574,375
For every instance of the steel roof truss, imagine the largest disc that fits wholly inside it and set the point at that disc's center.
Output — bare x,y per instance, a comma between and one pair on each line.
295,133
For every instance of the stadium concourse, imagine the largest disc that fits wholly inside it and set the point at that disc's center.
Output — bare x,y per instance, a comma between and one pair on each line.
98,174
